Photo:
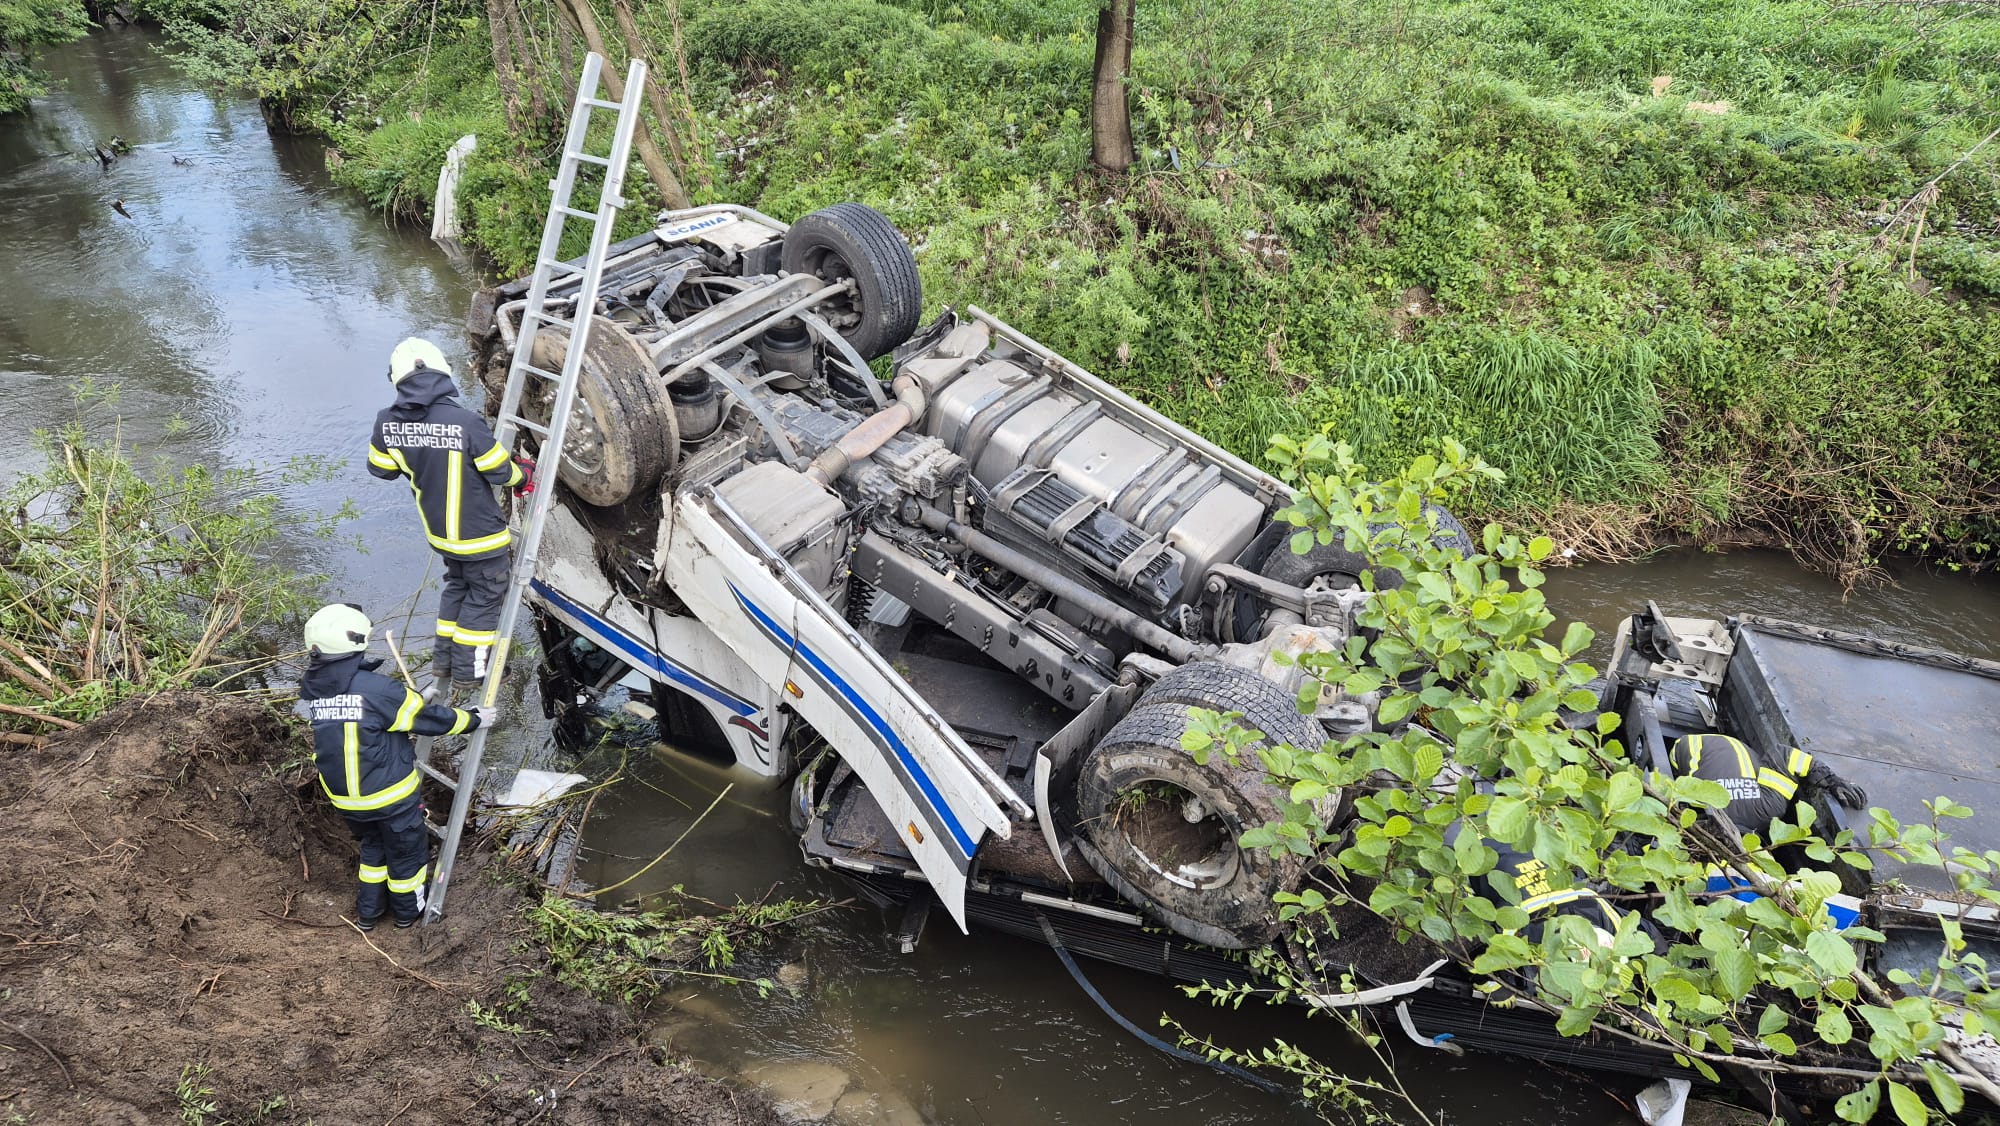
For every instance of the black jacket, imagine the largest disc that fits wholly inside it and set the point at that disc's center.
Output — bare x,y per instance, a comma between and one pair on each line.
449,455
1758,792
361,723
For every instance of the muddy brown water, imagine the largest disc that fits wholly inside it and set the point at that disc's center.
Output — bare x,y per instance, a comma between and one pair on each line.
252,303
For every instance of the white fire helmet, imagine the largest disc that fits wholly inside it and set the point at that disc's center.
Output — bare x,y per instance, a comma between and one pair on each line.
339,628
412,352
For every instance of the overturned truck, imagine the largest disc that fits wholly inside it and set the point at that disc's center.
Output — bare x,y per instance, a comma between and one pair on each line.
970,607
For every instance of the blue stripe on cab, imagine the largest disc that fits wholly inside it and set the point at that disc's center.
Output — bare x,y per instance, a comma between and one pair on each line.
884,733
641,657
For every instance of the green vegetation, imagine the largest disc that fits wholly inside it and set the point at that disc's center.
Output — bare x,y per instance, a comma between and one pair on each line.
115,582
24,26
1654,261
628,957
1466,652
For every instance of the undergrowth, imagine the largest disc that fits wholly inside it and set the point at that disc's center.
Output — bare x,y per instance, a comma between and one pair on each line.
629,956
1647,259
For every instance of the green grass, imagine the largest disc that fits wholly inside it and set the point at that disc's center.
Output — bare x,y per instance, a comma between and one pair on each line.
1393,221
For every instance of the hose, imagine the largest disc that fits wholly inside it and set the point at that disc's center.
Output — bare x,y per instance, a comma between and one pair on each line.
1152,1041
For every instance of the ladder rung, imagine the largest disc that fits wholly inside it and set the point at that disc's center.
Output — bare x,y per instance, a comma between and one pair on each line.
531,427
436,829
552,377
545,320
600,103
562,267
600,161
438,776
578,213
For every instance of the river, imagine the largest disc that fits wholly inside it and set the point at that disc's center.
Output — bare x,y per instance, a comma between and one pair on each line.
246,309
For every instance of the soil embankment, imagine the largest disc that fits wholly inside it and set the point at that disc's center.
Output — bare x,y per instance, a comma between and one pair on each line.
171,903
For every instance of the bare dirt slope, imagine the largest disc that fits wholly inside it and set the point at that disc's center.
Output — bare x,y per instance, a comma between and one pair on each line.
171,893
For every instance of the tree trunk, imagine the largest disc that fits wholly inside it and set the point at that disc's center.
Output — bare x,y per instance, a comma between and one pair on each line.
635,48
527,61
1110,106
649,153
503,62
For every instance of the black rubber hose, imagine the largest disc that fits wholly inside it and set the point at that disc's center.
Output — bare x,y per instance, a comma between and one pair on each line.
1152,1041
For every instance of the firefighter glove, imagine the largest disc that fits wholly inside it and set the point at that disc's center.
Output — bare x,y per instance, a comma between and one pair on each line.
488,715
527,484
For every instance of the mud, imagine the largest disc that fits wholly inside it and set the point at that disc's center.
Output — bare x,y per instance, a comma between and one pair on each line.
171,903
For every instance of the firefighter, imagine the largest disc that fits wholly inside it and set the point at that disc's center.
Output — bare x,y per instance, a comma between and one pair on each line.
362,722
451,460
1758,792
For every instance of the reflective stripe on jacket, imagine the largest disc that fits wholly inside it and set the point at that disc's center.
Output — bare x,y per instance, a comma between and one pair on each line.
1757,792
452,461
362,722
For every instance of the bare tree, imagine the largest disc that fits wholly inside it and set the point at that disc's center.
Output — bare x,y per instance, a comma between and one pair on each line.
584,17
1110,104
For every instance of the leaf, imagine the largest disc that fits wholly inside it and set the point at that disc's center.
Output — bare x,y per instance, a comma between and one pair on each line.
1302,542
1396,708
1944,1088
1737,969
1908,1105
1774,1018
1581,700
1540,547
1834,1027
1861,1105
1474,858
1830,953
1623,792
1781,1044
1508,820
1430,760
1576,638
1259,836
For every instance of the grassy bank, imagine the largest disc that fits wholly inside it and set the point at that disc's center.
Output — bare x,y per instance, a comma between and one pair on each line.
1652,261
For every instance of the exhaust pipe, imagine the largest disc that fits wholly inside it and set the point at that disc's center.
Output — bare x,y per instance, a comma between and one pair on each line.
868,437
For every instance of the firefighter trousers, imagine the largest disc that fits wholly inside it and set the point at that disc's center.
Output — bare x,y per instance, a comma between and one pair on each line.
469,616
395,863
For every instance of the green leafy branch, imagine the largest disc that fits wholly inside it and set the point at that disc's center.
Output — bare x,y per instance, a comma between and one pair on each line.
1475,751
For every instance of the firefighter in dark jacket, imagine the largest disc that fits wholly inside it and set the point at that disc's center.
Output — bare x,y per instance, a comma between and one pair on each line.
1759,792
362,722
452,461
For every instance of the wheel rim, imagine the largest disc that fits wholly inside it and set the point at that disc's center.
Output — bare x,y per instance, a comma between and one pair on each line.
1175,835
583,439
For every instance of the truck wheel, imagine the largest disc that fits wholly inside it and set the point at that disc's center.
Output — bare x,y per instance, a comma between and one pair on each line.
849,240
1337,567
622,436
1164,830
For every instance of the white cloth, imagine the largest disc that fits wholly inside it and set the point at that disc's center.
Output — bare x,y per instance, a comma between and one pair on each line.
444,208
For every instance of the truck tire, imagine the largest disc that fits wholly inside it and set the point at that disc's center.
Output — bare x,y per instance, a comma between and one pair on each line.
1338,566
622,437
849,240
1135,792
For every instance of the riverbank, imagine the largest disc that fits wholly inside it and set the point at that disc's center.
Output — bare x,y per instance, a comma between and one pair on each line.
1676,271
175,949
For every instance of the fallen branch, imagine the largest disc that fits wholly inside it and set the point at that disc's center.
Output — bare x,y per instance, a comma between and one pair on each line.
41,717
15,737
46,1050
434,983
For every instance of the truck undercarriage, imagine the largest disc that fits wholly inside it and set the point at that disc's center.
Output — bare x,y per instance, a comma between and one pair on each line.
971,607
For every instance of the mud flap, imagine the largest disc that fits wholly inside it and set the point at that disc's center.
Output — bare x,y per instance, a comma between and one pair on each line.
1057,760
929,784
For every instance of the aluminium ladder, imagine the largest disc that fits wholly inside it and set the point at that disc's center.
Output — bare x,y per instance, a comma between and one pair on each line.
510,421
